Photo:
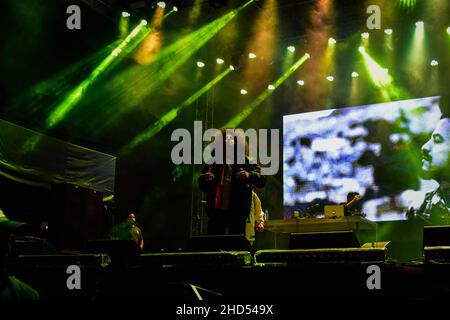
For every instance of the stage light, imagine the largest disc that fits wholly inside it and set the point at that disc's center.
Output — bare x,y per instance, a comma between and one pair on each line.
243,91
448,30
388,31
434,63
271,87
175,9
291,48
365,35
144,22
220,61
330,78
307,56
251,55
200,64
419,24
301,82
231,67
355,74
236,120
331,41
380,76
125,14
173,56
161,4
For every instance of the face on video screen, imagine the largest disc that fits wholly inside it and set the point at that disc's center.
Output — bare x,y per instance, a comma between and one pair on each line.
377,150
435,152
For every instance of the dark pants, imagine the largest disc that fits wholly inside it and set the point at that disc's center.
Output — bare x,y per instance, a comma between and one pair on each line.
221,221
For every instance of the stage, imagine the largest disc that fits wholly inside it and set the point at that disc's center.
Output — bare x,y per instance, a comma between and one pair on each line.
244,284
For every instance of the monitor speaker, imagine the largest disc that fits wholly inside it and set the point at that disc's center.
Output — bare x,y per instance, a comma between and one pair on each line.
76,216
434,236
219,243
122,253
321,240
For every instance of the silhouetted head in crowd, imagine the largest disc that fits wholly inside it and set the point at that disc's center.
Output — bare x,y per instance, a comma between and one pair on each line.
8,229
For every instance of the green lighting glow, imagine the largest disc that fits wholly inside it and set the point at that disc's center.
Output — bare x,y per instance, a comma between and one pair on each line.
76,94
234,123
58,84
382,79
167,61
418,35
172,114
448,30
417,55
407,4
378,74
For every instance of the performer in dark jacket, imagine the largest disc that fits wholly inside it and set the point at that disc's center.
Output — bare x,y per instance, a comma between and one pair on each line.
228,189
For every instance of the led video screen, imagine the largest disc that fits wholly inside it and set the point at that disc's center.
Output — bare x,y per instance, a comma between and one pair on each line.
380,151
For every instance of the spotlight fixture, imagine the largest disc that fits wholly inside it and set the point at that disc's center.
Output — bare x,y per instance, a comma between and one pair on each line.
355,74
307,55
243,91
220,61
271,87
331,41
419,24
330,78
161,4
175,9
362,49
448,30
200,64
365,35
291,48
434,63
251,55
231,67
388,31
125,14
144,22
301,82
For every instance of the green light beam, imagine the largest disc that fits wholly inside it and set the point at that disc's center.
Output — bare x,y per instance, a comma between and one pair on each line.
379,75
59,83
168,60
382,79
77,93
172,114
233,123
